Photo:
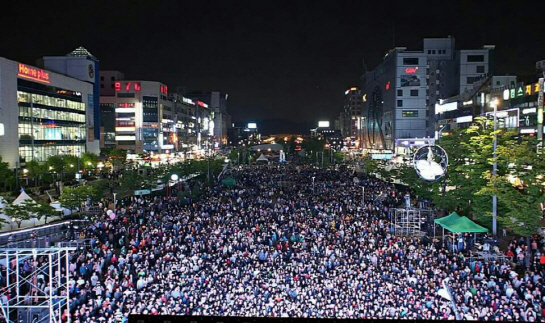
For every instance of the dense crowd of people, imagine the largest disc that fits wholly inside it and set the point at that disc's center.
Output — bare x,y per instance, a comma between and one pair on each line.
289,241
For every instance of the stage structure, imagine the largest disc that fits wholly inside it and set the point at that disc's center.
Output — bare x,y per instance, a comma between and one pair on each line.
39,293
406,222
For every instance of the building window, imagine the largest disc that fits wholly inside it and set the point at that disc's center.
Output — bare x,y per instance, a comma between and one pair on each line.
410,61
112,78
125,95
409,113
429,52
475,58
112,85
433,51
472,79
497,82
101,86
480,69
399,103
399,92
102,78
414,92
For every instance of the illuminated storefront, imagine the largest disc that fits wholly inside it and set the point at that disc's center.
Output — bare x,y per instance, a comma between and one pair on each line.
44,113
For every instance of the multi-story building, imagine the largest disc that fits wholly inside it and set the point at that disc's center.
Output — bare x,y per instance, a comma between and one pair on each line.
144,117
400,94
107,107
516,106
82,65
351,117
194,125
44,113
222,120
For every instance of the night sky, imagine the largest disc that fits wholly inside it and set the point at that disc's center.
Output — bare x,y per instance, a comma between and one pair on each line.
276,60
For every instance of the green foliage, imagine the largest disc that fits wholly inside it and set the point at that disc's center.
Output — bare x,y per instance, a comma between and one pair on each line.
73,197
89,160
7,176
472,185
56,163
21,212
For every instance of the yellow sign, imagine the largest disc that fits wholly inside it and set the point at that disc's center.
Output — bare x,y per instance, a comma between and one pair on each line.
364,97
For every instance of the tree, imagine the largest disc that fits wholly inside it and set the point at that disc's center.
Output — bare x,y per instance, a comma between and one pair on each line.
518,182
35,170
6,174
73,197
89,160
43,210
21,212
56,164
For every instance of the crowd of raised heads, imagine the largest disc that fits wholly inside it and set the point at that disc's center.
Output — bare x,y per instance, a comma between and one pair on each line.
287,241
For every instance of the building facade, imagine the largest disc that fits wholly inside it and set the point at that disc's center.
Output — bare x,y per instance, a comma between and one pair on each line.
44,113
217,101
400,94
82,65
351,117
516,106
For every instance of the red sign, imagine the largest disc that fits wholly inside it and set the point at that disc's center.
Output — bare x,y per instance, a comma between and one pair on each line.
32,73
163,89
136,86
387,86
411,70
125,105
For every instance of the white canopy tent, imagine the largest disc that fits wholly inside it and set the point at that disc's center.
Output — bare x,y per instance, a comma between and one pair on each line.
22,198
262,158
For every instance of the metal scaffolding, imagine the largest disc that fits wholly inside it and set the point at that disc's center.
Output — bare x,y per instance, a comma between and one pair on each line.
35,286
406,222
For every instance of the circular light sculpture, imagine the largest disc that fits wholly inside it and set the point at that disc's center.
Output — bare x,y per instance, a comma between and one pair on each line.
430,162
174,177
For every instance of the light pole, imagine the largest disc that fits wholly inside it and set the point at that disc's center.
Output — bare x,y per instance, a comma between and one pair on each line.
494,104
115,201
363,196
313,184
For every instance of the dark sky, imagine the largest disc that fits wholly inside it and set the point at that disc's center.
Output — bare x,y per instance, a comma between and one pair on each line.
277,60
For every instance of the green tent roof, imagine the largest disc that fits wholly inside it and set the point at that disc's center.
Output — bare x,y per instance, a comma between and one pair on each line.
229,181
459,224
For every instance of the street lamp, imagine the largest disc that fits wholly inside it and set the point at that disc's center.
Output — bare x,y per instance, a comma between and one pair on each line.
313,184
494,104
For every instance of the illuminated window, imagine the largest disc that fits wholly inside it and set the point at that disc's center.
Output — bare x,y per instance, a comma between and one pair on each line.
409,113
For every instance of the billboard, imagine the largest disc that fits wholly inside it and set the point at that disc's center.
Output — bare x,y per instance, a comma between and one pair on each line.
409,80
252,125
323,124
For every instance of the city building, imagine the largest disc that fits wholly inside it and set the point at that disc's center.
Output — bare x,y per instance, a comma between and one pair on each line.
351,118
82,65
399,95
516,106
44,113
144,116
217,101
194,126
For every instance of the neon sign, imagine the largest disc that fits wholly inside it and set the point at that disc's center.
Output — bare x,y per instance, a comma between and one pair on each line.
32,73
387,86
163,89
137,87
125,105
411,70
